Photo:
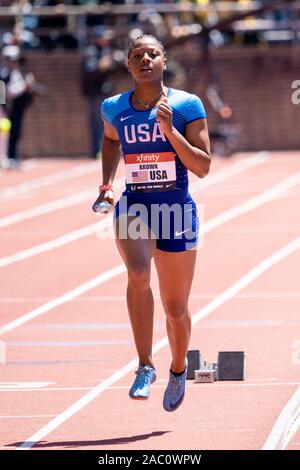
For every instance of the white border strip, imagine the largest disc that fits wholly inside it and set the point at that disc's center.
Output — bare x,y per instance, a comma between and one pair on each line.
105,384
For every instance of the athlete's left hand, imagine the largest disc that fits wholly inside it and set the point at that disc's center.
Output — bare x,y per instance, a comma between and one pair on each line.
165,118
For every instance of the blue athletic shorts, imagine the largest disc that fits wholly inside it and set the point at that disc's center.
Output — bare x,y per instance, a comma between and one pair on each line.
173,223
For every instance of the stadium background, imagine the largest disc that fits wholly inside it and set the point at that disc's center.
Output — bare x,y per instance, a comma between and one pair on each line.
252,63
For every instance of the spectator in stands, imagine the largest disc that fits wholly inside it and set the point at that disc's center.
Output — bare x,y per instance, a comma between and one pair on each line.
97,81
19,94
4,134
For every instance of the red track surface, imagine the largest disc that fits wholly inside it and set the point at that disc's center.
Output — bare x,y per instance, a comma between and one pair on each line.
73,347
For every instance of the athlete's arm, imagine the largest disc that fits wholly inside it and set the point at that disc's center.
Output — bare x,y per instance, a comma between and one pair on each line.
111,152
193,148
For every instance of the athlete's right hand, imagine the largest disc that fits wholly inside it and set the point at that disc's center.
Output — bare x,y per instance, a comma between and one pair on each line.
103,204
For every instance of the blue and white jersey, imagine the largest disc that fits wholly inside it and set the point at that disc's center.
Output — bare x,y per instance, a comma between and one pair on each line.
152,165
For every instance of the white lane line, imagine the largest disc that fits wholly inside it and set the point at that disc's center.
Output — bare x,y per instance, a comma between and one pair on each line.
228,294
84,326
44,181
208,226
158,324
251,204
286,425
18,385
248,279
62,203
247,206
105,298
57,242
247,164
68,344
251,295
107,275
27,416
52,389
122,298
46,208
214,386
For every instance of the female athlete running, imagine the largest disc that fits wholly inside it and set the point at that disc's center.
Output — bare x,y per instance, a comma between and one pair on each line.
162,133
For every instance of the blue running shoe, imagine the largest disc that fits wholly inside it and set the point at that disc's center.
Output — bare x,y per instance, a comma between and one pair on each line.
174,393
145,376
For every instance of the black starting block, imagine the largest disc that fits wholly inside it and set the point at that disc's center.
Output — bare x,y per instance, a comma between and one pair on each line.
194,363
231,365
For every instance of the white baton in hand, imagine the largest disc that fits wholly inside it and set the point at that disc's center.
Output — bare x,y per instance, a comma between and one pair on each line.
105,207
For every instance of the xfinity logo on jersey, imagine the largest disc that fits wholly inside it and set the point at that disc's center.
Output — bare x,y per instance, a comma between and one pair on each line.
143,133
147,158
151,172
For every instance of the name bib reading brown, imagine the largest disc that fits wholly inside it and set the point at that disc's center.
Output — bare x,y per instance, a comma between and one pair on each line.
148,172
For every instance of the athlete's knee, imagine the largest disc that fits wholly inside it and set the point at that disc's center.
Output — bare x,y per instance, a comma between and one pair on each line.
175,311
139,274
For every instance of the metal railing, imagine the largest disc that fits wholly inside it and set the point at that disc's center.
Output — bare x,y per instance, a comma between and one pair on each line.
108,9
